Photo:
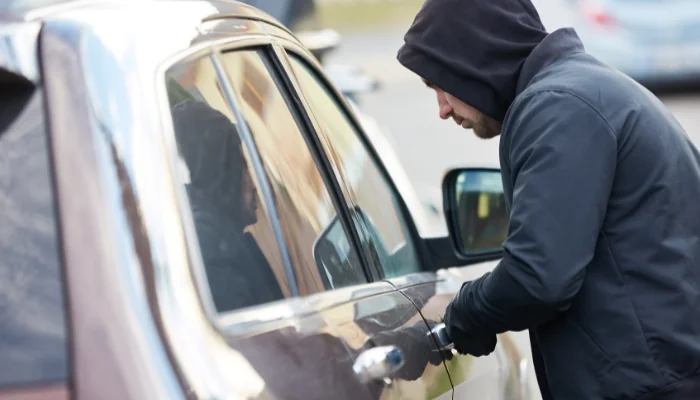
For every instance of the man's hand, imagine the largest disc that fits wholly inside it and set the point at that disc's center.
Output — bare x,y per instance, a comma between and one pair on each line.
464,343
475,346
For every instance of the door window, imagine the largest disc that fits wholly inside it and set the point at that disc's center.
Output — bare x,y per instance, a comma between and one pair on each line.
317,241
377,214
236,239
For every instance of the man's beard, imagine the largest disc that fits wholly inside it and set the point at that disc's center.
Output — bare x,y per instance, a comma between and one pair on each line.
486,128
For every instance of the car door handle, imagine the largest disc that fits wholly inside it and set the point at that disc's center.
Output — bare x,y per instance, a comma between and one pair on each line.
444,342
378,363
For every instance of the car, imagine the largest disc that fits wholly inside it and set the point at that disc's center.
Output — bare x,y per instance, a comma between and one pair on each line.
190,209
656,43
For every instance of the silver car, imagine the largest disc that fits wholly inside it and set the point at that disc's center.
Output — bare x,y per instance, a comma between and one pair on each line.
189,209
655,42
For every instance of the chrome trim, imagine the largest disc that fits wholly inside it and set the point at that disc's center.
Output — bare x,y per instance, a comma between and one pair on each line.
19,49
261,174
262,318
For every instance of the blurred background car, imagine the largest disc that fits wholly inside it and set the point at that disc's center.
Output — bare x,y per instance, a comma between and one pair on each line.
655,42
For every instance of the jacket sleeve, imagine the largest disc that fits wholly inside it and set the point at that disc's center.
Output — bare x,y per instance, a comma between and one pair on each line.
561,154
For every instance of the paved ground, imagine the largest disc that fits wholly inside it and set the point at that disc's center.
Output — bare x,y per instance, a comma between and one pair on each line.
426,145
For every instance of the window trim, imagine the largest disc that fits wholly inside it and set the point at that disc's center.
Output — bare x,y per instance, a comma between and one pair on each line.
228,89
308,132
340,198
289,47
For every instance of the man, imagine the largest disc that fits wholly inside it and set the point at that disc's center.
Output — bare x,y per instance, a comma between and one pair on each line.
602,259
224,202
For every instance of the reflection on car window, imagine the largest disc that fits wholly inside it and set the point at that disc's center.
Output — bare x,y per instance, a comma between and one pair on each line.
235,237
379,219
33,334
318,244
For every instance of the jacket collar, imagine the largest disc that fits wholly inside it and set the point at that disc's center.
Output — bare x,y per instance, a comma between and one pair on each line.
556,45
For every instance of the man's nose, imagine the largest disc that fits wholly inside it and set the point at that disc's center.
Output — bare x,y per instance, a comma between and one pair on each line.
445,111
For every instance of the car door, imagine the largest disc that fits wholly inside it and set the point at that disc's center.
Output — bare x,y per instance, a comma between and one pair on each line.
357,172
388,236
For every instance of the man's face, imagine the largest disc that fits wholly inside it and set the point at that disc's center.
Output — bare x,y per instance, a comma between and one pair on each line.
465,115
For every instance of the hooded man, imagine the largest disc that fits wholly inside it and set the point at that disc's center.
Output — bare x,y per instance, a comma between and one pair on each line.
602,258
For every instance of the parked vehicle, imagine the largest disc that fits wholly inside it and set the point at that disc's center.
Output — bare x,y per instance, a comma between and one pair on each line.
655,42
189,209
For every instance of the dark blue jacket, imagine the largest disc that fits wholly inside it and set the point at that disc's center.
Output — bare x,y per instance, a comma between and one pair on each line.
602,259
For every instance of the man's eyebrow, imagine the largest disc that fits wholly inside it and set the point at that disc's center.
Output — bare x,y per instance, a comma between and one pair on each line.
427,83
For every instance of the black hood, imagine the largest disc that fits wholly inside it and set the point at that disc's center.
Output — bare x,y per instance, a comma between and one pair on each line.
473,49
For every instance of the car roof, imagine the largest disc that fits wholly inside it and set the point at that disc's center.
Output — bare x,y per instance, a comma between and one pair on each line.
21,21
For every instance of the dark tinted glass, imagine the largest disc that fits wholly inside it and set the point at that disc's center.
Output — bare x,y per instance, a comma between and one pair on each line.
318,244
378,216
236,240
33,343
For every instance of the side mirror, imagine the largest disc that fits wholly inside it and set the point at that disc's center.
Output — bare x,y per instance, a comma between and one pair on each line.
335,256
475,210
